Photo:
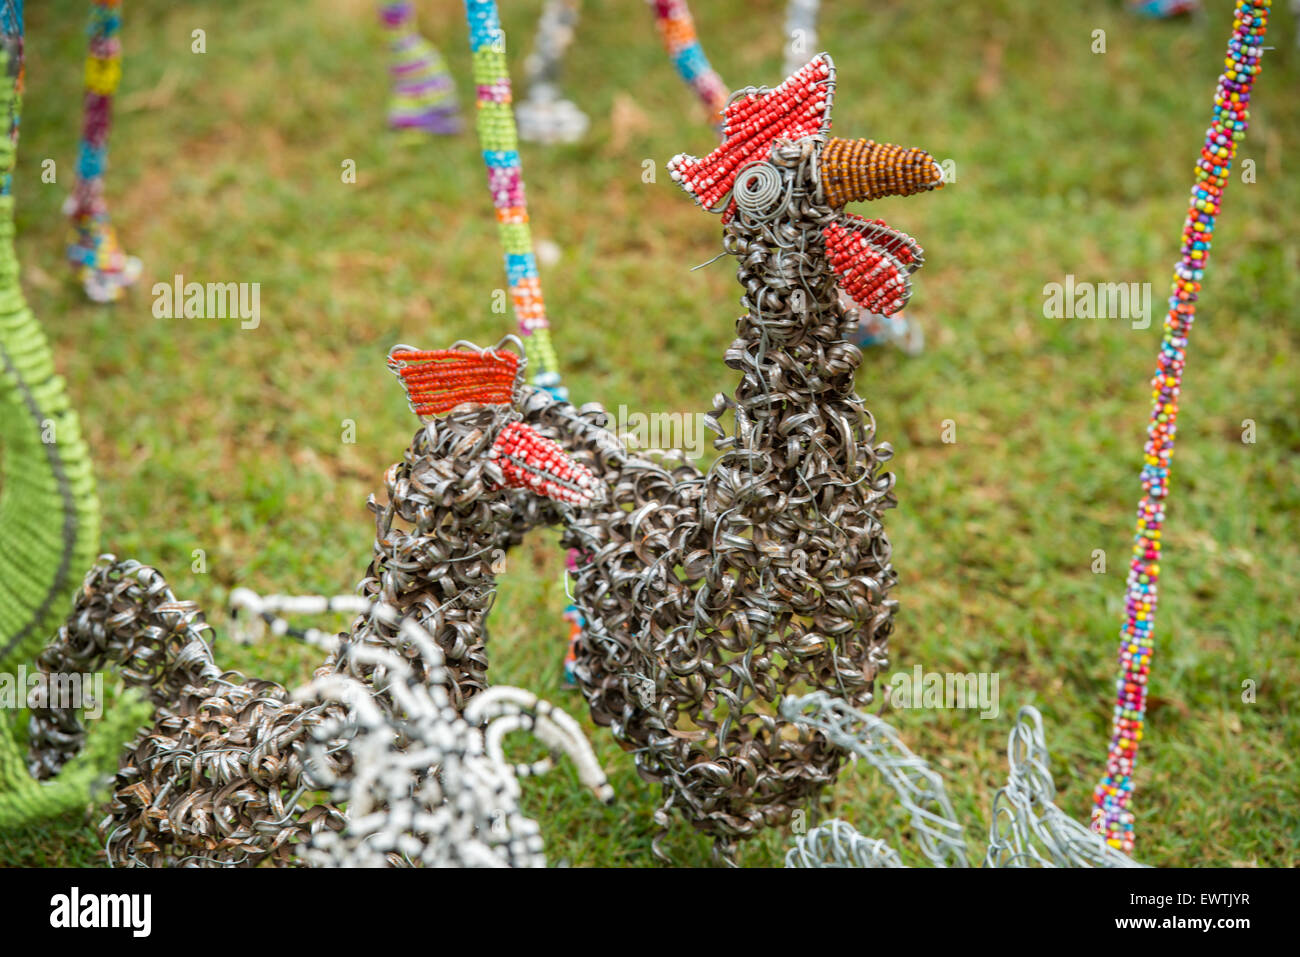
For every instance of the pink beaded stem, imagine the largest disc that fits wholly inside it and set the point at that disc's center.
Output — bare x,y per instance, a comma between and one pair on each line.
1111,816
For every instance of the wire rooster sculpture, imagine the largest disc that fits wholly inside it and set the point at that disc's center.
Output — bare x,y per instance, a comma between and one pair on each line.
219,776
708,596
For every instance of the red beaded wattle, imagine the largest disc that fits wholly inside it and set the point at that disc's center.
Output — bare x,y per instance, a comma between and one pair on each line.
873,262
1111,816
438,381
797,108
530,461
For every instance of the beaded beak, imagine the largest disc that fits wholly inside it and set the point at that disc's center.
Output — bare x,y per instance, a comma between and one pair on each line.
874,262
446,380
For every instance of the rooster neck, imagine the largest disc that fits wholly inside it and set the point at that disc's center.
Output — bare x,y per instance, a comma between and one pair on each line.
790,348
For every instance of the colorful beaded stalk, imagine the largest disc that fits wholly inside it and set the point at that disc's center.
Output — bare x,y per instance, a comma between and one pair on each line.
677,29
104,268
424,97
1163,9
499,140
1111,816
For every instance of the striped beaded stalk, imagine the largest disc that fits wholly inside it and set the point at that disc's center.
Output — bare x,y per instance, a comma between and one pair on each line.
677,29
1110,816
424,96
104,268
499,141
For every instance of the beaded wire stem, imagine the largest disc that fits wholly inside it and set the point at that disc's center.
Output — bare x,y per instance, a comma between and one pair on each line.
424,97
1110,815
499,141
49,513
105,270
677,29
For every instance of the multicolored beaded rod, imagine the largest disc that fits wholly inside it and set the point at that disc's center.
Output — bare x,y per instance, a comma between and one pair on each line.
1111,816
677,29
424,97
11,32
499,141
104,269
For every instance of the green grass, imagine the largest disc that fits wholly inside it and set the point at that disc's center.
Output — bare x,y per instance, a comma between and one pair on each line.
226,167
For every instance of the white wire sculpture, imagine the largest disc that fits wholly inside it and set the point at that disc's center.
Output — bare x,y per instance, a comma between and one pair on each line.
1027,828
428,786
545,115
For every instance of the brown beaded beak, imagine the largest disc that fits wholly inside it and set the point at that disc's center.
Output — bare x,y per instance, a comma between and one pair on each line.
864,169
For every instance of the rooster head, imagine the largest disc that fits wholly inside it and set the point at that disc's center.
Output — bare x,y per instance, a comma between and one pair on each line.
872,261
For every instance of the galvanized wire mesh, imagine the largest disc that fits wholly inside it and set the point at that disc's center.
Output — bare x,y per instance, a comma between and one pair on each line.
920,789
1027,828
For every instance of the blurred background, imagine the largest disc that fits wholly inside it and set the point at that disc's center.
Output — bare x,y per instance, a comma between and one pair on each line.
225,166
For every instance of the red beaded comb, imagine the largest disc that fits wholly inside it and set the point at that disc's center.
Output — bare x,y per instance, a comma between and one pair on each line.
799,107
442,379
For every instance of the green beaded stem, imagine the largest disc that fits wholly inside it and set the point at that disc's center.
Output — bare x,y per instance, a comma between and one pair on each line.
49,523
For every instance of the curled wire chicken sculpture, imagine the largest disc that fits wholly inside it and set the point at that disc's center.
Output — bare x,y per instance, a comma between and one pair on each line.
1027,828
399,811
709,596
220,776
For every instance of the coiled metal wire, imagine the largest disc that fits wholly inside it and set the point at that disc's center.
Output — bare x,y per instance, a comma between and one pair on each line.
710,596
219,778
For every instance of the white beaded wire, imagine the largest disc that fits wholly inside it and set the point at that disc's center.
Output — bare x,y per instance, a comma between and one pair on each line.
427,786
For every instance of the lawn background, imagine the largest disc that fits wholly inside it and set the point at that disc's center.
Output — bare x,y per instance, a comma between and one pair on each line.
226,167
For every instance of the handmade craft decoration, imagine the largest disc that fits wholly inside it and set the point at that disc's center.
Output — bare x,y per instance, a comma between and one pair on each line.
424,94
224,776
95,253
465,815
677,30
1111,815
217,777
899,330
707,595
499,140
1026,828
457,497
49,512
1163,9
546,116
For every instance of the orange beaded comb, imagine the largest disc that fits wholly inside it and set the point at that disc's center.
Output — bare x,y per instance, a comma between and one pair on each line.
437,381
